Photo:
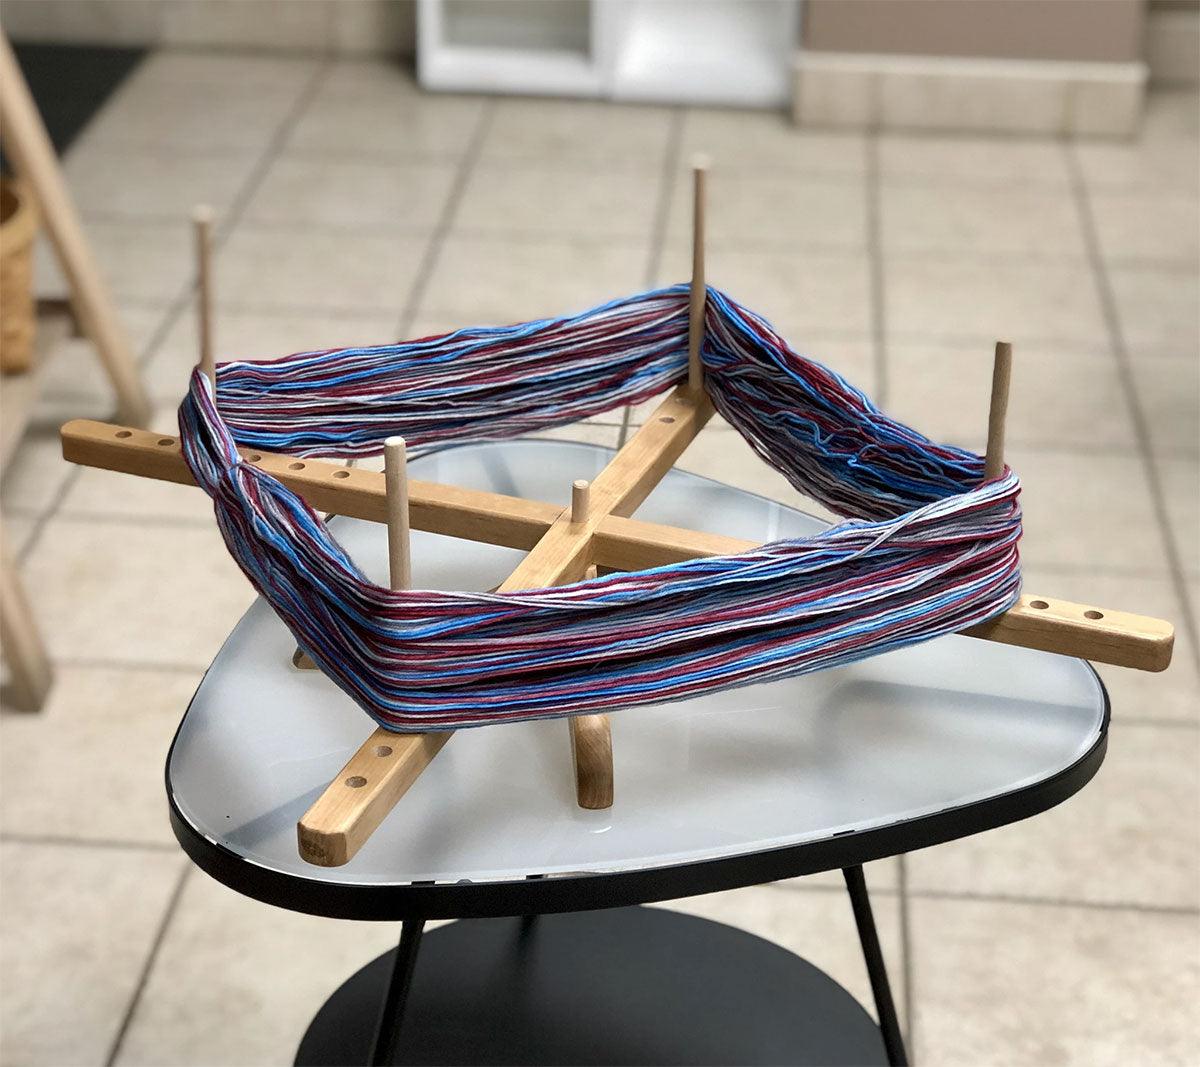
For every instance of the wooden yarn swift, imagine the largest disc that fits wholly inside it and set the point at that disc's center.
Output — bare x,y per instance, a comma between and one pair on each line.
562,544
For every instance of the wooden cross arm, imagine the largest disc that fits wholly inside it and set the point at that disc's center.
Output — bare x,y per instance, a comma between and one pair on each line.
1100,634
352,491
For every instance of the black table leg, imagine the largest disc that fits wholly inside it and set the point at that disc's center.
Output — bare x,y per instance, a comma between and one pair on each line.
885,1007
391,1014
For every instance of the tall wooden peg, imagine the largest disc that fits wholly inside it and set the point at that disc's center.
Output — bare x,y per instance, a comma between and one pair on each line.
993,465
698,291
202,220
395,472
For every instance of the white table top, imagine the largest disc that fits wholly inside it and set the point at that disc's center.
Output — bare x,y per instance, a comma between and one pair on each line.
900,736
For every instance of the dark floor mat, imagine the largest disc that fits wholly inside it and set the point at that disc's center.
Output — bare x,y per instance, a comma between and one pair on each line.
70,83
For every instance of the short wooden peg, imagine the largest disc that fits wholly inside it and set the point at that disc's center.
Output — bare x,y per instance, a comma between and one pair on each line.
202,220
698,291
579,501
993,465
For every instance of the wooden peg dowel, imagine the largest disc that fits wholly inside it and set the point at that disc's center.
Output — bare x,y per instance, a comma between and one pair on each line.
591,735
698,294
202,219
579,501
993,465
395,473
592,761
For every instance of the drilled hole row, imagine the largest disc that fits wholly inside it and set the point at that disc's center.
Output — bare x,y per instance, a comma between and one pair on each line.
253,457
1091,613
357,781
162,441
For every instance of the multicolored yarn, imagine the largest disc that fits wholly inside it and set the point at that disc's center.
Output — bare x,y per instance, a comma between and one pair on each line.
927,547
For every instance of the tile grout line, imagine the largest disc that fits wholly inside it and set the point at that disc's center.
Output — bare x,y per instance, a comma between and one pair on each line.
69,841
441,230
160,936
996,898
658,228
176,307
1112,320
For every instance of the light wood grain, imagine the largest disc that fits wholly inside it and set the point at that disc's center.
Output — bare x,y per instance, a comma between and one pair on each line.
698,295
590,735
202,219
30,673
368,787
467,513
395,477
592,761
28,146
993,464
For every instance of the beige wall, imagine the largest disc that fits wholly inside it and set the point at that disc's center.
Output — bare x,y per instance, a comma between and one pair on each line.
342,27
1088,30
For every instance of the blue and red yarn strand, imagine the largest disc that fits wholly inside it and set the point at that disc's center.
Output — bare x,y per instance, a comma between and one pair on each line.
927,547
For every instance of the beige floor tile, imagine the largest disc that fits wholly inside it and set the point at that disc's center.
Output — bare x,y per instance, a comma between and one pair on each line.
178,67
371,78
1166,152
1128,838
97,493
18,528
525,200
1008,162
773,210
1087,511
490,281
721,453
111,181
1159,312
1181,488
77,925
195,116
392,126
290,269
142,261
35,477
988,300
1169,392
817,925
90,764
882,876
1152,227
961,219
578,131
1171,694
761,141
260,971
1058,397
331,192
72,382
133,593
802,295
255,335
1015,985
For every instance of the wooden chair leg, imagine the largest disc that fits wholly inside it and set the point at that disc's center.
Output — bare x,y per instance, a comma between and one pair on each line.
28,664
28,145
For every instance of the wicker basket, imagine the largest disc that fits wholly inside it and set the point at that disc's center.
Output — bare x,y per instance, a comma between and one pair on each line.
18,226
